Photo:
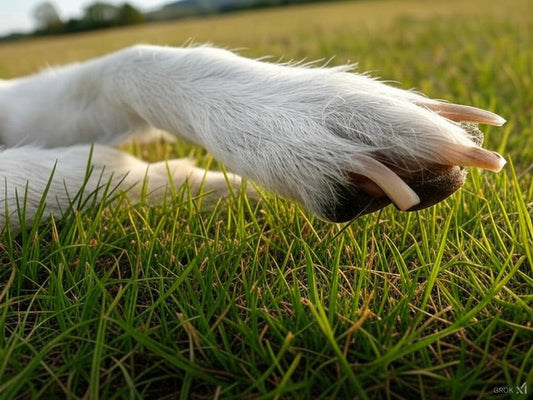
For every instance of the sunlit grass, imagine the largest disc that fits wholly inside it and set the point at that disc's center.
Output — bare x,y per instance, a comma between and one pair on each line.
260,302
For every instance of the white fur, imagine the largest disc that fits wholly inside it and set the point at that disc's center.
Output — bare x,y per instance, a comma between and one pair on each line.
293,129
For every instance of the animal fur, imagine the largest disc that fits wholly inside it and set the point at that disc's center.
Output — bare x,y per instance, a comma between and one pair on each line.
340,143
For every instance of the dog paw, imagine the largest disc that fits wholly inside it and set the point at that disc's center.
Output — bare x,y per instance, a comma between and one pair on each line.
348,145
342,144
420,150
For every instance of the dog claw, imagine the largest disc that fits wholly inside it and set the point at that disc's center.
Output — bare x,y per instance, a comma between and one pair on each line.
460,113
392,185
472,157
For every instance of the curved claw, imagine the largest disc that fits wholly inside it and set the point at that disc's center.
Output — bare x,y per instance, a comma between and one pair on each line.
466,156
460,113
392,185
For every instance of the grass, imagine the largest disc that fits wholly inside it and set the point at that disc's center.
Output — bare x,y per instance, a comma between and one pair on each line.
244,302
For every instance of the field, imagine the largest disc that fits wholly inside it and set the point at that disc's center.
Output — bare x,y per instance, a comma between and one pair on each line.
266,303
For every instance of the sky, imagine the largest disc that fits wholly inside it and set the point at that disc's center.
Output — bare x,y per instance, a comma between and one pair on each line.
16,15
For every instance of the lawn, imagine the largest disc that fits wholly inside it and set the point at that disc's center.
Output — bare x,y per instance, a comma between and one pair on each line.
267,302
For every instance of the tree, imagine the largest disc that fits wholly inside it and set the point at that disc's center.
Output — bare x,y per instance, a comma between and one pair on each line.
129,15
47,17
100,14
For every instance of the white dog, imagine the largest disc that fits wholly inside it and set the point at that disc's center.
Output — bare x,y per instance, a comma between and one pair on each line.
339,143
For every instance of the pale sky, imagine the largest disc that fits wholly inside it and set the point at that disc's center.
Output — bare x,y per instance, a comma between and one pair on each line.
16,15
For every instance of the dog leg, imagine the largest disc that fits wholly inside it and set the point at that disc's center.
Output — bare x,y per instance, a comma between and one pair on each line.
72,176
315,135
340,143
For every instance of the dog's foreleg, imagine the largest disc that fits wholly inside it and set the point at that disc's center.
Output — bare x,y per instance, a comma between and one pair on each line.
105,99
60,178
341,144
